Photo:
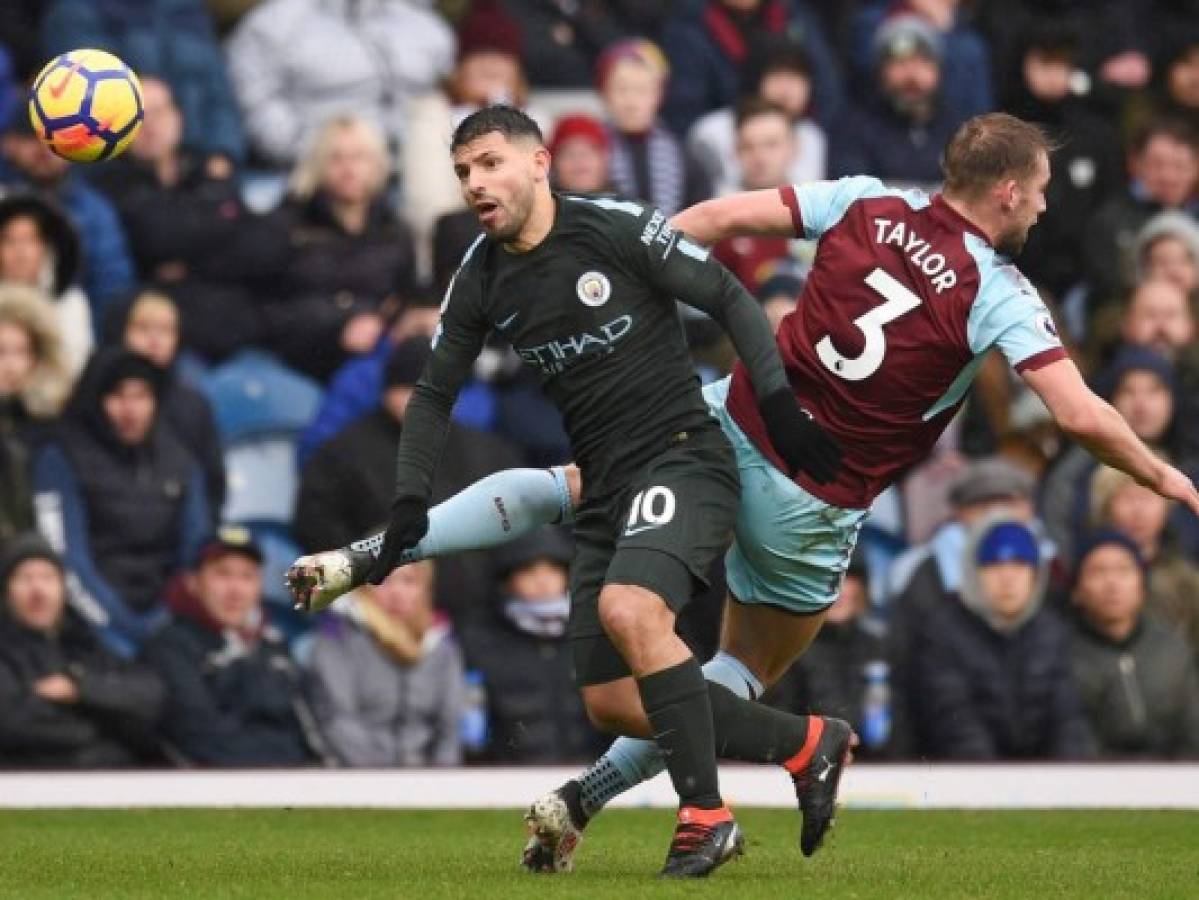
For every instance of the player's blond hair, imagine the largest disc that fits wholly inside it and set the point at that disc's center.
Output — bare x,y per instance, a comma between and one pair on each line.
991,148
309,171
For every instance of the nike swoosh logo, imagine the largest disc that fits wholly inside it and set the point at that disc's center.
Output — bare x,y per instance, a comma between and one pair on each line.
57,89
629,532
508,321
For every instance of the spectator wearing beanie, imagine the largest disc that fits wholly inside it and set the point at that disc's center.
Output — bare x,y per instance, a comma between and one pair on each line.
898,133
1167,248
782,76
649,163
295,64
1136,676
65,701
387,679
581,151
346,485
710,42
994,679
120,497
521,650
779,291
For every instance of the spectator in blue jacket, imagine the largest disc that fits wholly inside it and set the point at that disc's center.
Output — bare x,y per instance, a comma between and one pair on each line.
120,497
27,165
709,42
898,135
170,38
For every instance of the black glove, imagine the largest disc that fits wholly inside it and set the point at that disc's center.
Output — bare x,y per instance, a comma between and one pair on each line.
799,439
408,524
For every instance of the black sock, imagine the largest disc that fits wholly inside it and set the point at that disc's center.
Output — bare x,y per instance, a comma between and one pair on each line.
676,702
751,732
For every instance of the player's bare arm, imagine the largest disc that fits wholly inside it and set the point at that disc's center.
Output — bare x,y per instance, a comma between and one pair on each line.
1098,427
751,212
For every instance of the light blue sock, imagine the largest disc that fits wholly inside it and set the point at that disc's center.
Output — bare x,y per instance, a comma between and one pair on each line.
494,511
630,761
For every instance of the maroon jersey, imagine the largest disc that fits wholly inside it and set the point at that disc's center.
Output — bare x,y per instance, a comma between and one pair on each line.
904,301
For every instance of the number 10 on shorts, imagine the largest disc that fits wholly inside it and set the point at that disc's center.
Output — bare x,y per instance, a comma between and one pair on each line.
651,508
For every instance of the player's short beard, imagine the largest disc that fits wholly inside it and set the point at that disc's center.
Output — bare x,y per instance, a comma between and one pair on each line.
1011,243
518,215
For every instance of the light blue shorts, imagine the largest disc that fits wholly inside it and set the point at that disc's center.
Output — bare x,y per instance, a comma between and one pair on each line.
790,549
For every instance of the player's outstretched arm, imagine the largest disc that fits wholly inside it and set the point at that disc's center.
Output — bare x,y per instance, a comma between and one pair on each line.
751,212
1098,427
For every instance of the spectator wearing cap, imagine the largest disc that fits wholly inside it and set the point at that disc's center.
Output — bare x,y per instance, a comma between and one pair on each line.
899,132
710,43
65,701
35,382
174,39
346,485
581,152
120,497
234,697
1154,525
295,64
39,249
648,162
350,261
28,166
832,675
190,232
782,76
149,324
1086,167
1136,675
1141,385
993,678
929,576
387,679
521,650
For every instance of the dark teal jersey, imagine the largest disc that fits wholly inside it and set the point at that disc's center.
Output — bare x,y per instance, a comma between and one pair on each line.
591,310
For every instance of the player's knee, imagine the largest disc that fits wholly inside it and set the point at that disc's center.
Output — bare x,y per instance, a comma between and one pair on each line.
626,611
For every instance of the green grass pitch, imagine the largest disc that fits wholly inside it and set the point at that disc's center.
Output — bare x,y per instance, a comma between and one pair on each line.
359,854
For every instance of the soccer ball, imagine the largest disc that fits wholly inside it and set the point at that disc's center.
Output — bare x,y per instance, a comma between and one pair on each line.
86,105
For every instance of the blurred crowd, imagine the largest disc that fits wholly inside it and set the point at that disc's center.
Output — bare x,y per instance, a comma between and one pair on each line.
207,348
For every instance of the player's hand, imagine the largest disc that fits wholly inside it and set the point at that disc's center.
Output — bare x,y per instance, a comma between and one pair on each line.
1174,485
57,689
799,439
408,524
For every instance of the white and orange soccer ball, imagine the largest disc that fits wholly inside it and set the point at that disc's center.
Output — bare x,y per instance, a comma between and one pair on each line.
86,105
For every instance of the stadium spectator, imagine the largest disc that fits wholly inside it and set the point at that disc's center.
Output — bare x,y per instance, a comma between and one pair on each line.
899,133
1141,385
351,262
563,40
648,162
993,675
929,576
173,39
1167,249
779,291
18,37
534,713
120,497
1086,168
831,678
190,232
765,151
782,76
1120,503
39,248
346,486
581,153
387,677
27,165
65,701
34,385
234,694
1164,169
296,64
966,60
489,69
709,43
1136,676
149,324
1177,73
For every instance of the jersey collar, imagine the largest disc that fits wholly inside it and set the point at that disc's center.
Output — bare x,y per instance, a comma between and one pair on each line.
948,212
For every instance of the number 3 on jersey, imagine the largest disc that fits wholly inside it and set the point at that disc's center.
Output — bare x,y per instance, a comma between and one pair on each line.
900,300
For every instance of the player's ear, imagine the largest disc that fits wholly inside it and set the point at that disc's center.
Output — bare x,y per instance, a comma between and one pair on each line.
541,162
1009,194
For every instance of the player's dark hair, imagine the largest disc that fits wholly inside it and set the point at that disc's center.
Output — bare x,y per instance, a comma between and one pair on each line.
753,107
507,120
1175,129
991,148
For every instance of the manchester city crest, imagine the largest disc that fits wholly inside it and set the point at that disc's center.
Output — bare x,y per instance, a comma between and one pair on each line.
594,288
